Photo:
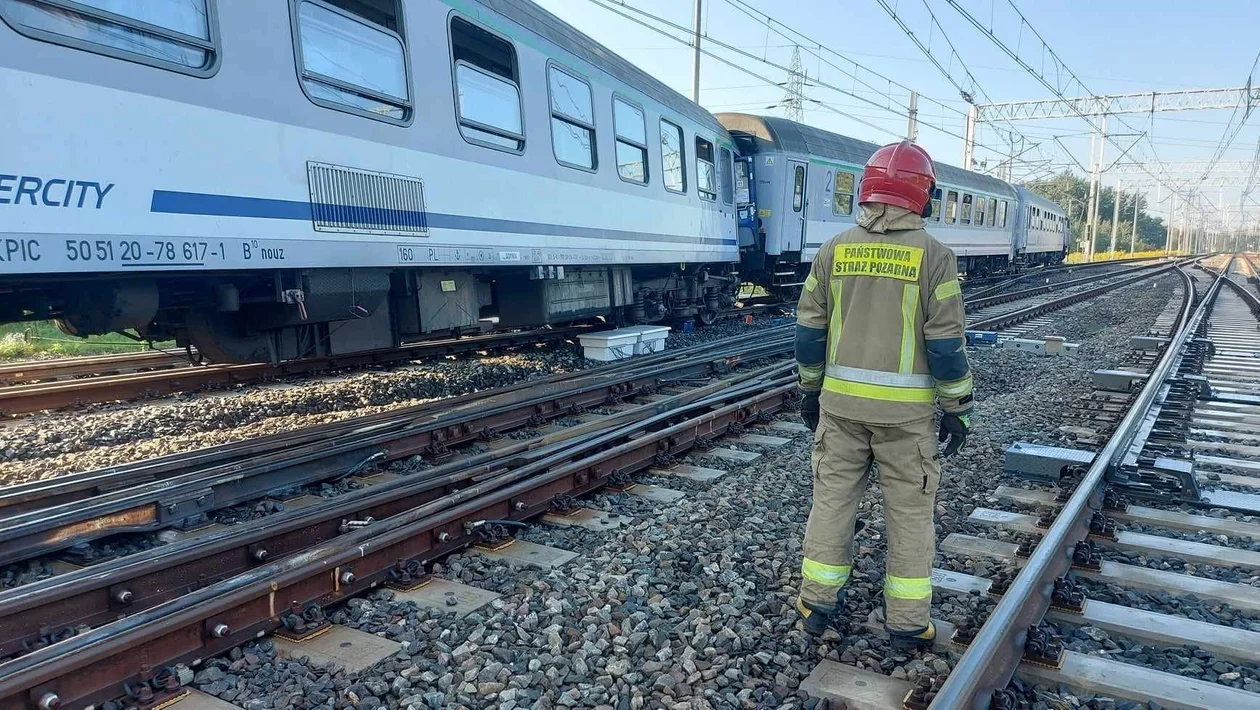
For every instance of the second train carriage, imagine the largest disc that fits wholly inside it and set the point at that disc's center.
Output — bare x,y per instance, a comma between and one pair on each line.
798,186
286,179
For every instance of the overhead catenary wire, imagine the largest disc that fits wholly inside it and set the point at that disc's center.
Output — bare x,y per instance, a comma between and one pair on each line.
614,8
625,10
1061,71
967,92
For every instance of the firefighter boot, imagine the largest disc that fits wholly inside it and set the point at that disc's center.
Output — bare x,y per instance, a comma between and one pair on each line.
913,641
816,620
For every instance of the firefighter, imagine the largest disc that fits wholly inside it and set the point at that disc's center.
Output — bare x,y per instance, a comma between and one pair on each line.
879,342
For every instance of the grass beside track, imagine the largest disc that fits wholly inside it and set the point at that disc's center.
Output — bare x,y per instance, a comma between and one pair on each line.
42,339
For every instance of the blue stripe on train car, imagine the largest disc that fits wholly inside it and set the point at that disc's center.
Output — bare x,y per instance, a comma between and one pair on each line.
198,203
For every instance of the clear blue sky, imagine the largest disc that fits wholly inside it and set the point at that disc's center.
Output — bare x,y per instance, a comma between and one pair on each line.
1114,46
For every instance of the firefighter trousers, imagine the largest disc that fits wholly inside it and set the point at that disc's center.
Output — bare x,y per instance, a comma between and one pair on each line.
909,473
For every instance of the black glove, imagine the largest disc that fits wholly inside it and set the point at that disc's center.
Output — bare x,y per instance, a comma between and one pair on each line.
809,410
954,427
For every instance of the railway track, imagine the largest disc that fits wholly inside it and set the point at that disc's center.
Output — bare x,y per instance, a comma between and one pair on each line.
1174,437
57,384
62,393
34,386
1026,308
988,286
76,638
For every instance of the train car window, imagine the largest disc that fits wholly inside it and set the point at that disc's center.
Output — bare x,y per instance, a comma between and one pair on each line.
842,194
172,34
798,189
965,217
951,206
992,211
1002,214
572,119
724,176
980,203
706,171
936,205
673,157
487,87
631,128
349,62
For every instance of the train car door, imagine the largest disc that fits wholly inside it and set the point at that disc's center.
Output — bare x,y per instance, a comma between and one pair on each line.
794,225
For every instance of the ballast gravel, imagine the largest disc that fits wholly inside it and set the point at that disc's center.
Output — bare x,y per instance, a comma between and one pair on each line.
59,443
689,606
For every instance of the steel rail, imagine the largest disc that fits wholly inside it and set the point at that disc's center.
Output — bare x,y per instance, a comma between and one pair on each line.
191,494
19,395
25,371
91,667
1008,319
975,302
27,398
993,655
1248,296
77,486
1051,270
98,594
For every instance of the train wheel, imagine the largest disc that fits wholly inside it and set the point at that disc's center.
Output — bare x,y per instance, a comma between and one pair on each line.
707,317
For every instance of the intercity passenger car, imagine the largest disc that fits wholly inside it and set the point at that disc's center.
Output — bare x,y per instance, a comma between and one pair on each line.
283,179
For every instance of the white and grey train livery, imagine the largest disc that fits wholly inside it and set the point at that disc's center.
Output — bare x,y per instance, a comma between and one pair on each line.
307,177
797,187
293,178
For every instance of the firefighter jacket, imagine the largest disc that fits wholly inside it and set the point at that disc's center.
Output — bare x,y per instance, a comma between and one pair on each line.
879,326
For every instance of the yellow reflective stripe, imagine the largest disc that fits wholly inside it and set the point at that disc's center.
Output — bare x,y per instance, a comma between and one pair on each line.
961,388
810,375
837,325
909,307
946,289
830,575
908,587
810,283
880,392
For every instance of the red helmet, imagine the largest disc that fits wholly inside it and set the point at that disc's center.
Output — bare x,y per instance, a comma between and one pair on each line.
899,174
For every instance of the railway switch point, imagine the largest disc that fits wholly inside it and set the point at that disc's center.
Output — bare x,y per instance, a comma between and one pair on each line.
1043,463
448,597
351,649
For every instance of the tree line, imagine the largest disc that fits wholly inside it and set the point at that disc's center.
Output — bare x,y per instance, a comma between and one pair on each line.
1072,193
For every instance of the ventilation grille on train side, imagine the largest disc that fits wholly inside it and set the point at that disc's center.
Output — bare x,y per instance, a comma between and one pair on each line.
365,201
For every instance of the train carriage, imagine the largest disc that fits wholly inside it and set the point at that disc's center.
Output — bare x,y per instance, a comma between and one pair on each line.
309,177
804,183
1042,231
